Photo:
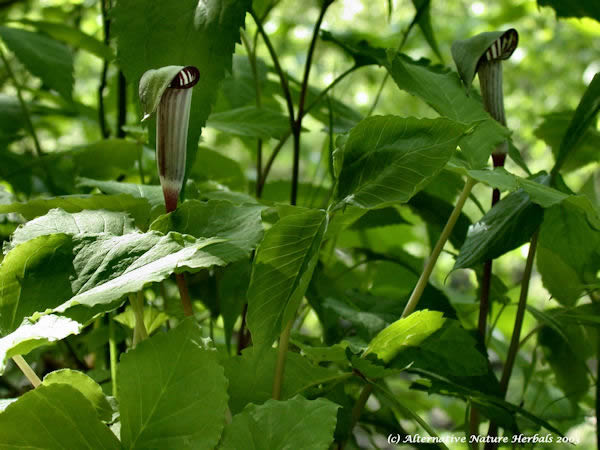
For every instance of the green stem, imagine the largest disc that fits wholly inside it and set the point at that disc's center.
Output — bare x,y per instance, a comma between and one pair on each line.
27,370
516,335
424,278
137,304
103,75
112,349
284,341
121,105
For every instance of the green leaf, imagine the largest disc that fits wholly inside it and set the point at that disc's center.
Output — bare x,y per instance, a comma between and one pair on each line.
106,159
31,335
153,84
232,288
172,392
239,224
423,8
250,121
467,53
567,246
450,351
567,364
190,32
585,151
387,159
43,57
212,165
250,377
138,208
584,117
581,8
55,416
407,332
296,423
442,90
84,384
72,36
509,224
59,221
151,193
153,318
281,271
56,272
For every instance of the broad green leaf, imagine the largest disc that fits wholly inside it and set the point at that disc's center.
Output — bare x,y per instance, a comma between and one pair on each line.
568,364
423,17
296,423
72,36
153,318
84,384
450,351
250,121
138,208
152,193
153,84
281,271
55,416
509,224
172,392
187,32
232,288
388,159
442,90
584,117
467,53
567,250
212,165
580,8
239,224
31,335
106,159
58,272
42,56
59,221
12,119
584,151
407,332
250,377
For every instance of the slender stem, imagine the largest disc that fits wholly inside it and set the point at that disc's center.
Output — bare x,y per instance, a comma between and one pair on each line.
137,304
122,105
242,335
284,341
424,278
405,35
282,77
103,75
364,395
325,91
27,370
516,335
184,292
297,127
112,349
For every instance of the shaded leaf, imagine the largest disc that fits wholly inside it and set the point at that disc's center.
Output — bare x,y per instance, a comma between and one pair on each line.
581,8
172,392
281,271
387,159
423,15
84,384
42,56
69,421
250,121
296,423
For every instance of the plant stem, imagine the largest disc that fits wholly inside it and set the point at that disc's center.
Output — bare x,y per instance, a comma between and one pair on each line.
516,335
184,293
27,370
282,77
122,105
297,127
103,75
424,278
137,304
112,350
365,393
284,341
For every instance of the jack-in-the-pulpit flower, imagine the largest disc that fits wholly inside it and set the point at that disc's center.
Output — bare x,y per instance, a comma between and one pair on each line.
483,54
168,91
